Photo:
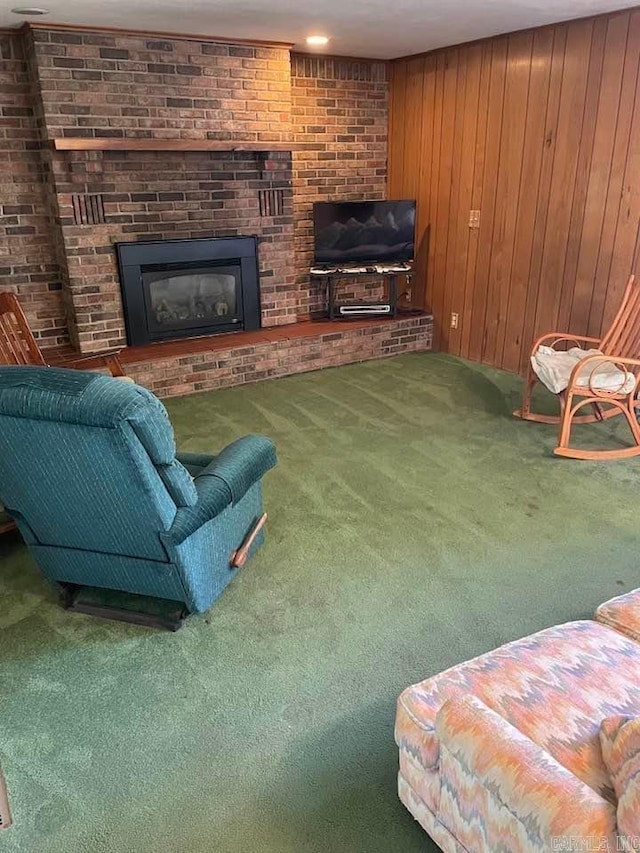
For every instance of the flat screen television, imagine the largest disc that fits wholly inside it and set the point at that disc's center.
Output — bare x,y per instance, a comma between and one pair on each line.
355,232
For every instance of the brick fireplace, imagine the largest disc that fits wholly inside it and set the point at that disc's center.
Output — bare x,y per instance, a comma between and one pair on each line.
194,140
155,196
92,86
175,289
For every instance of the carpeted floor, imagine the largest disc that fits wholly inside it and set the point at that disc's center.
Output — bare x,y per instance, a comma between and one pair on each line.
413,523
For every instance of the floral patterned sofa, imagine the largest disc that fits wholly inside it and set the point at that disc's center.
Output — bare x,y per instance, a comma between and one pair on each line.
503,752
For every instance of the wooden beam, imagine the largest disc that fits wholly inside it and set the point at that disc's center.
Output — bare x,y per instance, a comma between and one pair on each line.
126,144
152,34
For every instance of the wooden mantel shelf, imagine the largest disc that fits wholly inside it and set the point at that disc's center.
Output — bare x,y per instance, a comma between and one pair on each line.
120,144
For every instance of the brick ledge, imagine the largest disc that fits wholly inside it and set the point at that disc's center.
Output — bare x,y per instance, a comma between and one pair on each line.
183,367
232,340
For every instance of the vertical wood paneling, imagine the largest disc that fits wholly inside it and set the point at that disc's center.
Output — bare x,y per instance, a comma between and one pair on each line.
478,179
445,179
454,198
598,180
422,193
487,205
627,223
544,189
540,131
397,109
460,245
516,96
412,120
607,244
568,132
583,170
532,153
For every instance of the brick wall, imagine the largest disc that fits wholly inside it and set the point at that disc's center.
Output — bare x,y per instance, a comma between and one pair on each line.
28,262
341,107
279,354
167,195
117,85
95,85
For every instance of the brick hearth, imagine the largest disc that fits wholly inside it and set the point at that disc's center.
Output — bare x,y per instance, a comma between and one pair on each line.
175,368
171,370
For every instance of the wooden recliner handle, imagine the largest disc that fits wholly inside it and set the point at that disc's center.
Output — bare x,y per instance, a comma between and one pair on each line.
239,557
5,812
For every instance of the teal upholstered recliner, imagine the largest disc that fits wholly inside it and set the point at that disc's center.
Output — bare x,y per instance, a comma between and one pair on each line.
89,472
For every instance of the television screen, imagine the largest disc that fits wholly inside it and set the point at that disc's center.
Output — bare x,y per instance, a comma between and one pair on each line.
352,232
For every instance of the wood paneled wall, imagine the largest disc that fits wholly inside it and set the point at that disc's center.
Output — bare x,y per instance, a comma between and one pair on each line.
540,132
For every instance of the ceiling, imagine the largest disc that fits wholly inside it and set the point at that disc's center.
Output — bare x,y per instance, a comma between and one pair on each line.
373,28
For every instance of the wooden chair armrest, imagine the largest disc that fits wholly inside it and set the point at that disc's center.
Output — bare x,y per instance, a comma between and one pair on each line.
94,355
104,358
556,337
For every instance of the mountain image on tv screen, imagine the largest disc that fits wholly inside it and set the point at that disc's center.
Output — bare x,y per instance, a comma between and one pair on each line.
353,232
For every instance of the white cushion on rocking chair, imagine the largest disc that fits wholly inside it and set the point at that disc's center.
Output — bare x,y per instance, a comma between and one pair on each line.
553,368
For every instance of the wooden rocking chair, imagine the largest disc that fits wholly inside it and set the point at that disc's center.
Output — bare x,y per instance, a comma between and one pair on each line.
18,345
620,348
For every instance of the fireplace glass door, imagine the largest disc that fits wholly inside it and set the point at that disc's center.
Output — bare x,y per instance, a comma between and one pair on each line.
182,297
189,288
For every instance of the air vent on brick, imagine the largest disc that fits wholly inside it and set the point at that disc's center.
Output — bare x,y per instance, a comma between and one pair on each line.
88,209
319,68
271,202
5,815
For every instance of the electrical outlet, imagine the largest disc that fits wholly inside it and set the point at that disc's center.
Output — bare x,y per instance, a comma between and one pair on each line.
454,320
474,219
407,294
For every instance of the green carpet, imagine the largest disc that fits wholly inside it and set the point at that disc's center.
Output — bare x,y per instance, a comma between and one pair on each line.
412,524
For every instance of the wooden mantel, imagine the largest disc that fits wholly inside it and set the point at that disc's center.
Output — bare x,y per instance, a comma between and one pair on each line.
125,144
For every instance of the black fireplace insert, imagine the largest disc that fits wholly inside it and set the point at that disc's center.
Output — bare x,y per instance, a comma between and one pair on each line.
188,288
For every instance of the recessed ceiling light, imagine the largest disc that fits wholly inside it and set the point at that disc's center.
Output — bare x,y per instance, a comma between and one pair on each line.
317,41
30,10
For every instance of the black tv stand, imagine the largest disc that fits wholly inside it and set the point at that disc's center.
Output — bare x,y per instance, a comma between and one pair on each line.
359,310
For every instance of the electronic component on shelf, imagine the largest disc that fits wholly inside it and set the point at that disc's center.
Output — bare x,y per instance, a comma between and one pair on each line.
333,276
373,308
